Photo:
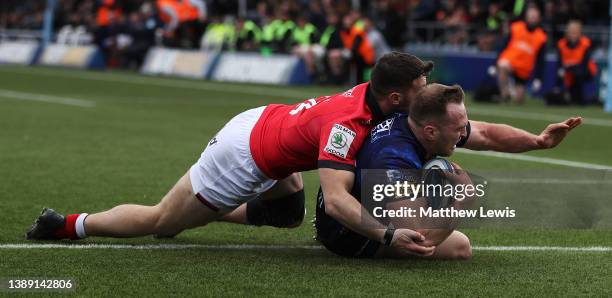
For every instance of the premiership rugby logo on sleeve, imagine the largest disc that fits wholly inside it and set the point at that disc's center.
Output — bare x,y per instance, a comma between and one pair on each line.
340,140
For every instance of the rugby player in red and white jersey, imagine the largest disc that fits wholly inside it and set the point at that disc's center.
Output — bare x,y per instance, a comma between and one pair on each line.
249,172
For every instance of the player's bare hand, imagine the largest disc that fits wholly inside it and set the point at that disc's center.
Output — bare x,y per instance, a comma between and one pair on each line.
411,242
556,132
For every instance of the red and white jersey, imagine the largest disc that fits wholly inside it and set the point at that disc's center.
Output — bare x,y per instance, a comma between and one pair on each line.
325,132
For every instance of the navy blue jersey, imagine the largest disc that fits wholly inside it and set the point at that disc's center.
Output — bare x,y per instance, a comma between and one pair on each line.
391,145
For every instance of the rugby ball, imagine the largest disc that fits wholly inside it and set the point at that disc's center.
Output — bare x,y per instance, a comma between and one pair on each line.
438,163
433,174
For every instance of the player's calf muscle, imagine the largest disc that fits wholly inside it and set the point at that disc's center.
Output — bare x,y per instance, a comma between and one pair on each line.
177,211
123,221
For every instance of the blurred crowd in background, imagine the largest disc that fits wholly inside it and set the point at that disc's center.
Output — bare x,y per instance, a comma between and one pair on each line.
330,35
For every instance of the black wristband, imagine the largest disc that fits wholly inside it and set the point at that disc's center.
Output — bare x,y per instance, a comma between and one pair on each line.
388,236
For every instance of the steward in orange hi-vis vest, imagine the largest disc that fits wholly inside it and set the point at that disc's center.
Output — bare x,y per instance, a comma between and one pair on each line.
575,68
169,13
107,13
575,58
524,50
356,39
191,10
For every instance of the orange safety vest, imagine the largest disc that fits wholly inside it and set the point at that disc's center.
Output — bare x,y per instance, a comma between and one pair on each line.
574,56
366,51
106,13
173,5
522,50
184,10
187,12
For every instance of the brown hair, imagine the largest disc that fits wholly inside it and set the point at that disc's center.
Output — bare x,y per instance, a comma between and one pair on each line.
432,100
395,71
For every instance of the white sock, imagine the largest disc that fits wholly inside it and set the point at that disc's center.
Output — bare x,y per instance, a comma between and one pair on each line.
80,225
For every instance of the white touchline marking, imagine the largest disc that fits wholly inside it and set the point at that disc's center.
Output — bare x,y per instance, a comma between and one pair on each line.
157,246
547,160
272,247
47,98
544,248
174,83
535,116
266,91
548,181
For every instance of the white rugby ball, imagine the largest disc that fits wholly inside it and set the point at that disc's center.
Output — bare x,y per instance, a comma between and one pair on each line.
433,176
438,163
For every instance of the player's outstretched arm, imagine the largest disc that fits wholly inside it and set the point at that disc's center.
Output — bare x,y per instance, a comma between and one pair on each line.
505,138
343,207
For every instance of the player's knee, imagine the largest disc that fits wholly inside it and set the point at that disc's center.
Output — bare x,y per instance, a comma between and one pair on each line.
285,212
165,223
463,249
465,253
294,183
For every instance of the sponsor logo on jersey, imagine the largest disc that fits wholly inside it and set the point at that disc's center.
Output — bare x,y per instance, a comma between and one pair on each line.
383,129
340,140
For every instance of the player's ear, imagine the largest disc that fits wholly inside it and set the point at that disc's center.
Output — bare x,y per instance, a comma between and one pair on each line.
395,98
430,132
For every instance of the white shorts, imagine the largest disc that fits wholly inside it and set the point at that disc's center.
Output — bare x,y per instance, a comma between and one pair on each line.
226,175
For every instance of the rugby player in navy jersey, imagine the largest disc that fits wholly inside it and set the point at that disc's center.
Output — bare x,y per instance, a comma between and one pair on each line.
437,123
249,172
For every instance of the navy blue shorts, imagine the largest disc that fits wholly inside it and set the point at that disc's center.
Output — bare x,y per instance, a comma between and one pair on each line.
340,239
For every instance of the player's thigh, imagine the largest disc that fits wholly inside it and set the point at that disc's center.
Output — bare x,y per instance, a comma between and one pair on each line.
287,186
182,210
455,247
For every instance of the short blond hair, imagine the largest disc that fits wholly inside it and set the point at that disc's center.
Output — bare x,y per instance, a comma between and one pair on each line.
431,102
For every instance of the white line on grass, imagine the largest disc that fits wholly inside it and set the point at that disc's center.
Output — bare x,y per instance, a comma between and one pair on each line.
272,247
159,246
47,98
534,116
210,86
548,181
273,91
547,160
173,83
544,248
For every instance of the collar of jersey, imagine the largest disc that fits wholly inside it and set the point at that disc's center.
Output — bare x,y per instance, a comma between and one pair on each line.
377,114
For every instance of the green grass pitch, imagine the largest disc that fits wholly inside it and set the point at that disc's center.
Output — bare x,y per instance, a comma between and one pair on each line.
145,132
